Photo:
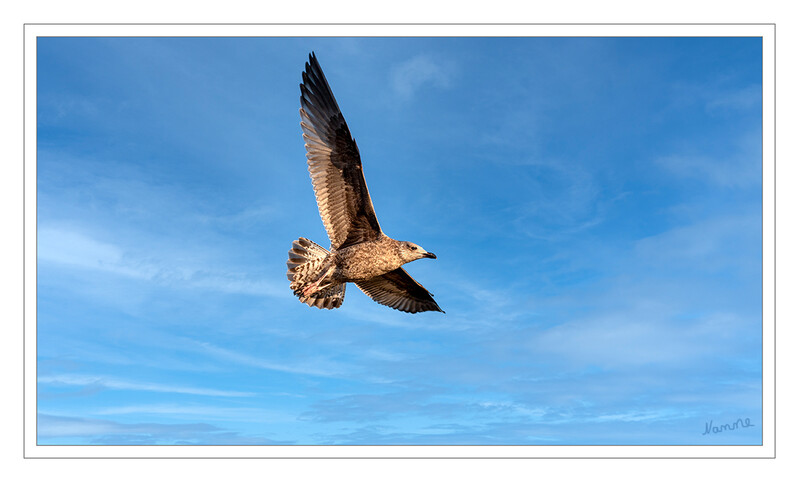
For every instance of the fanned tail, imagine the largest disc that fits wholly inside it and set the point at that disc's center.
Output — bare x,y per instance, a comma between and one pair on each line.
304,266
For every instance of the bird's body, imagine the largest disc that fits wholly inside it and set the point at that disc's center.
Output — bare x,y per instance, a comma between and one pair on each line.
359,250
366,260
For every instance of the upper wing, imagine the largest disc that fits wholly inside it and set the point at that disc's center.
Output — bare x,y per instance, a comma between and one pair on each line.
398,290
334,163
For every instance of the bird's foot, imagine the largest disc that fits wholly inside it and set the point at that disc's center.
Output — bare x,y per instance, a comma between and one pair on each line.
310,289
316,287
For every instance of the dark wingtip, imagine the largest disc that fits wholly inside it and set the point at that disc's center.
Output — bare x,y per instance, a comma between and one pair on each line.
311,60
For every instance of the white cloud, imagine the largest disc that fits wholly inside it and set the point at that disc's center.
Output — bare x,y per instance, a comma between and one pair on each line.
737,171
712,243
564,199
118,384
516,409
738,166
315,366
50,427
107,432
409,76
737,99
206,412
642,336
71,248
641,416
719,96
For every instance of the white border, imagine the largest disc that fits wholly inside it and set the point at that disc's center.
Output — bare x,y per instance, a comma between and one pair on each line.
767,450
399,30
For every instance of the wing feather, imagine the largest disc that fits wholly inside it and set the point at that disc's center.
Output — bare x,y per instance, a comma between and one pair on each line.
334,164
397,289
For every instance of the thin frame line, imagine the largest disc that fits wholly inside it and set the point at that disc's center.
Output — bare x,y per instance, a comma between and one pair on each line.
773,25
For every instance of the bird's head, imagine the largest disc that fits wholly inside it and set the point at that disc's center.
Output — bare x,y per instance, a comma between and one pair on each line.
411,252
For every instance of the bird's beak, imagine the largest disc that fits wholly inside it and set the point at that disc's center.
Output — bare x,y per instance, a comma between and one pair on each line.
430,255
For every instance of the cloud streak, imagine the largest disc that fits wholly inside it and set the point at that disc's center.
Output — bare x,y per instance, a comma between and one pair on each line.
740,171
314,366
645,338
92,431
111,383
204,412
420,71
71,248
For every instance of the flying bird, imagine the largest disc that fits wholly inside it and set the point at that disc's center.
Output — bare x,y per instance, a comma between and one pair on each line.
359,250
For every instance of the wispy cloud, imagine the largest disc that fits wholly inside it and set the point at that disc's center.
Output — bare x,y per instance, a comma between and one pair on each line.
647,339
736,171
556,198
736,99
705,245
121,384
314,366
393,418
92,431
72,248
419,71
204,412
381,406
719,96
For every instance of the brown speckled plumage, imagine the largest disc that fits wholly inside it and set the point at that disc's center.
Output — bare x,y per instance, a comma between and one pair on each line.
359,251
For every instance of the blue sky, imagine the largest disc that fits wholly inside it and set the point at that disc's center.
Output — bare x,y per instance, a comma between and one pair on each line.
595,205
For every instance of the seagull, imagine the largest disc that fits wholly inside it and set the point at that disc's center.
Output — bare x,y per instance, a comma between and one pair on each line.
359,250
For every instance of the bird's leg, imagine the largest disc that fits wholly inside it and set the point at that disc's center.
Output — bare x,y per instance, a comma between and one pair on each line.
314,287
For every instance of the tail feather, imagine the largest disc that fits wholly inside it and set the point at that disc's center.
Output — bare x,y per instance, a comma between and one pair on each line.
304,266
329,298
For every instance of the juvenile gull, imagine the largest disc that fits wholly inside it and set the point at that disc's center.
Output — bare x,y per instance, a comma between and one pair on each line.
359,251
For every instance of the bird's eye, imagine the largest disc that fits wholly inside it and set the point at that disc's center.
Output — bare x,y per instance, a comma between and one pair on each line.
413,248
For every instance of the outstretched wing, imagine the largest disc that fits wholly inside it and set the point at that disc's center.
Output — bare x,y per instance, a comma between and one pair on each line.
396,289
334,163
